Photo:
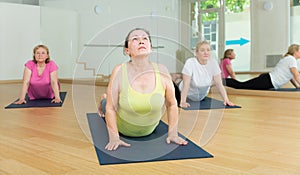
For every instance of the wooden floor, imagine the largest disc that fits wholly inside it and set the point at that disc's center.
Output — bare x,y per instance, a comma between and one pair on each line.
263,137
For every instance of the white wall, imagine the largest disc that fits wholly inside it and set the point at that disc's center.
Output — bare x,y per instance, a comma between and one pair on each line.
24,26
70,24
113,23
270,31
295,26
19,33
59,31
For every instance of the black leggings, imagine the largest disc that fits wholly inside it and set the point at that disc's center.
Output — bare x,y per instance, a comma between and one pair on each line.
177,93
262,82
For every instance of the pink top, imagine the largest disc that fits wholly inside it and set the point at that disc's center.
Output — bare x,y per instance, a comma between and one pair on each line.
40,85
223,64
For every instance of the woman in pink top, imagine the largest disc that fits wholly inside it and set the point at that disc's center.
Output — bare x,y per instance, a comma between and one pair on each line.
225,64
40,77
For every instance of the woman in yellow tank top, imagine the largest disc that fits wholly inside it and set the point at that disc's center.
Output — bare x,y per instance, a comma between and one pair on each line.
137,93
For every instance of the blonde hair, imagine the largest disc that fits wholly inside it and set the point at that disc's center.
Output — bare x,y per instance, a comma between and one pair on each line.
292,49
200,43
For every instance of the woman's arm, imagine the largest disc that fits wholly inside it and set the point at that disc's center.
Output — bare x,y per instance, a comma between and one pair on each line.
230,71
296,77
26,81
294,83
186,80
55,88
113,90
172,109
218,80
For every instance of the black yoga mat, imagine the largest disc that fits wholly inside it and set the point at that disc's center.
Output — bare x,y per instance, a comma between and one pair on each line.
38,103
207,103
286,89
143,149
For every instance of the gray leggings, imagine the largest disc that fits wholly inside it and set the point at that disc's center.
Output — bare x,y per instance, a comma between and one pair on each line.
103,104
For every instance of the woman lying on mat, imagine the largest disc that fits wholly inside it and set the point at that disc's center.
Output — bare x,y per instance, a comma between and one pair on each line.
40,77
137,93
198,75
285,71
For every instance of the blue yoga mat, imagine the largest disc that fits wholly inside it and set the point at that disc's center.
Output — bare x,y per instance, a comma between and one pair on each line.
38,103
207,103
143,149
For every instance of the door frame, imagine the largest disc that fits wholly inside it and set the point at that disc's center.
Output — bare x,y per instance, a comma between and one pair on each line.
221,25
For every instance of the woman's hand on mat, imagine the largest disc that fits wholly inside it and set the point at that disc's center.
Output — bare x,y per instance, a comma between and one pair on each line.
176,139
184,104
20,101
56,100
113,145
228,103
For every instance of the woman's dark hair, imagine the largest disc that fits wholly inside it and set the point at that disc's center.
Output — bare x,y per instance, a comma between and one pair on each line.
41,46
127,37
227,53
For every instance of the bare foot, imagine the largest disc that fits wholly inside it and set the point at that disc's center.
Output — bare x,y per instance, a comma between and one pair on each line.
100,111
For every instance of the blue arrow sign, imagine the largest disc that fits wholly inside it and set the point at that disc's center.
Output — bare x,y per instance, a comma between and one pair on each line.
241,42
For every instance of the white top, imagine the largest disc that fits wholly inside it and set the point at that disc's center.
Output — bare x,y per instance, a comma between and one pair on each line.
281,74
201,77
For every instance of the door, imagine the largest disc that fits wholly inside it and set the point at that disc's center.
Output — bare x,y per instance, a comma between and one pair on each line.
208,23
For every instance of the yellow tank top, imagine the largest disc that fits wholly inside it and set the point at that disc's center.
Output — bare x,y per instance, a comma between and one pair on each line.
139,113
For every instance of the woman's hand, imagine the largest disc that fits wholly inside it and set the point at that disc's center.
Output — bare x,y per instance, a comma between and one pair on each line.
113,145
56,100
176,139
20,101
184,104
228,103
